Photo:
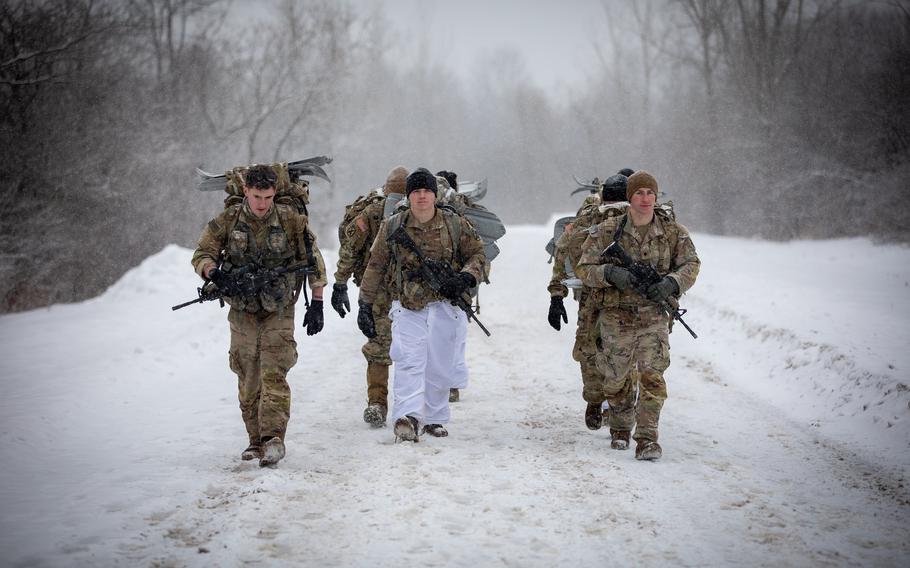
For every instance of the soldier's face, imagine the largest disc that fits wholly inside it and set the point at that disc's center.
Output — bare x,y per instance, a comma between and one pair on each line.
422,199
643,200
260,200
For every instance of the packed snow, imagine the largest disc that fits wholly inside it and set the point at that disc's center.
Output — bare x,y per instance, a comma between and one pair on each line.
786,434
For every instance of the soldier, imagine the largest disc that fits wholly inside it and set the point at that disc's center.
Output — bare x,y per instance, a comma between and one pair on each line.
353,256
425,323
610,202
259,234
635,329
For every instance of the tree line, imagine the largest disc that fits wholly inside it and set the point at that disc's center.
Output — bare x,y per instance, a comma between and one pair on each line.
774,119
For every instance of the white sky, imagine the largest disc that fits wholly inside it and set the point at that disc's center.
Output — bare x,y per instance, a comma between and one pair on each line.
554,38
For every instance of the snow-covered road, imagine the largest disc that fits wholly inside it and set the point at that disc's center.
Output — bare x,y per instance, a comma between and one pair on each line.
785,436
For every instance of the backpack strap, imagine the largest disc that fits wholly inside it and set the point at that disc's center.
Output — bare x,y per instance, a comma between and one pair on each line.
392,224
453,223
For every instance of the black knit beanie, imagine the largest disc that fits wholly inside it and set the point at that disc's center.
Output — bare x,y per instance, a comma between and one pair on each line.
421,178
614,188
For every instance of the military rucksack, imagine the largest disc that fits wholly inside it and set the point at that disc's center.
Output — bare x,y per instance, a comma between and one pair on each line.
293,193
590,216
290,188
345,232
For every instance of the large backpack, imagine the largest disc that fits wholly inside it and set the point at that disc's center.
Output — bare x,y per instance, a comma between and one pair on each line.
588,217
287,192
354,209
290,189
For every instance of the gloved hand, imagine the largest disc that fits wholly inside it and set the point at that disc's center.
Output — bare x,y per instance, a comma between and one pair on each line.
619,277
365,320
663,290
340,299
457,285
557,311
222,281
313,319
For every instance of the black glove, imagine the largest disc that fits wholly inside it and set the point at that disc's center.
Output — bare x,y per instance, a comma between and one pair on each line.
557,311
619,277
365,320
662,291
222,281
340,298
313,318
457,285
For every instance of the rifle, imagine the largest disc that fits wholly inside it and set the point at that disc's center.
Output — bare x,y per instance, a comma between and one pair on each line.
433,272
246,282
646,276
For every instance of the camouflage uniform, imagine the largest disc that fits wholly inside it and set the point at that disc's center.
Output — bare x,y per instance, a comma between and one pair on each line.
568,253
353,256
391,270
262,349
634,332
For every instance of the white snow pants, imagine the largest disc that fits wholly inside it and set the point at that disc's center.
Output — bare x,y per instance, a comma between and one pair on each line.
461,365
425,351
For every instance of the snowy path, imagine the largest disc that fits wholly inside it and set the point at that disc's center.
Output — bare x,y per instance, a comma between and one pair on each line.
127,416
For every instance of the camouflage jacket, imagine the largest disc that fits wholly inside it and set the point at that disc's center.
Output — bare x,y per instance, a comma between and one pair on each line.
568,246
354,252
393,267
239,238
666,246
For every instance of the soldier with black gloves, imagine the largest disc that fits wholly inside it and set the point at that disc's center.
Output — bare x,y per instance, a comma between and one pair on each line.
425,323
257,235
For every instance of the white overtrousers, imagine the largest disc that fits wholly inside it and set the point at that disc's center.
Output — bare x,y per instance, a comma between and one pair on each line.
425,350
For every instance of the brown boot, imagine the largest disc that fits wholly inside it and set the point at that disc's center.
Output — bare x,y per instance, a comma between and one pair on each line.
406,429
647,450
619,439
594,418
374,415
377,394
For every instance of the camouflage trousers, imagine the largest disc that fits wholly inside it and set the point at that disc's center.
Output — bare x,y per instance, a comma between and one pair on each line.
262,352
585,350
635,338
376,351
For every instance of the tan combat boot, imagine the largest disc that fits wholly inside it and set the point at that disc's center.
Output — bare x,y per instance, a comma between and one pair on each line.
377,381
648,450
272,452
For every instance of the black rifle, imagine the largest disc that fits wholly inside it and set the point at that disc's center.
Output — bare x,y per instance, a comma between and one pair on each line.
645,276
246,282
433,272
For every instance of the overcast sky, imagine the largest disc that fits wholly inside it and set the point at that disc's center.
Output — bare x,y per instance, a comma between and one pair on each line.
554,38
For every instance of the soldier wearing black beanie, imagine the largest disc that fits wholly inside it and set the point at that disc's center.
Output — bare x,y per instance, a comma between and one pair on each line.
421,178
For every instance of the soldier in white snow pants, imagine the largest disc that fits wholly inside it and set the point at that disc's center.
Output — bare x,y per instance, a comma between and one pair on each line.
426,258
425,361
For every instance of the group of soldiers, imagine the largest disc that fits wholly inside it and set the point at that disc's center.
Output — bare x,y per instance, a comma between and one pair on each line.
622,335
409,318
415,264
